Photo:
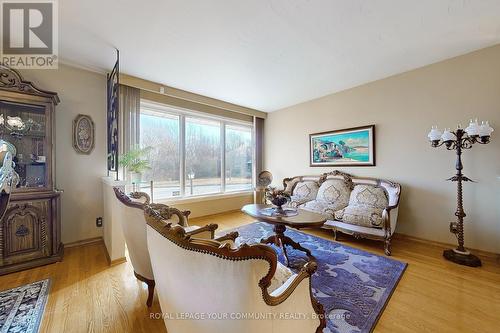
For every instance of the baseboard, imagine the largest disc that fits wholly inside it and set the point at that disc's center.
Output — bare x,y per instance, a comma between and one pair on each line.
113,262
117,261
84,242
445,245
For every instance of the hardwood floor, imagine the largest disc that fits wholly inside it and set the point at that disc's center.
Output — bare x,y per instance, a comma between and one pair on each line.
433,295
87,295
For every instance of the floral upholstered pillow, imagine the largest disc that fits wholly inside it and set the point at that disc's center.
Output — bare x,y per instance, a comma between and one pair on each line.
333,195
334,192
303,192
365,208
369,195
320,207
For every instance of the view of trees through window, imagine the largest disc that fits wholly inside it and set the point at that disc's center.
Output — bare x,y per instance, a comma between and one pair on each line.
161,132
238,158
203,151
203,157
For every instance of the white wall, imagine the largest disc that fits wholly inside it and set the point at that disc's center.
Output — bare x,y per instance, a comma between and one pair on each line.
403,108
78,175
113,215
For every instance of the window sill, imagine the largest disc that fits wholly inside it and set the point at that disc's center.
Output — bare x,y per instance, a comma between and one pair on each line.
173,201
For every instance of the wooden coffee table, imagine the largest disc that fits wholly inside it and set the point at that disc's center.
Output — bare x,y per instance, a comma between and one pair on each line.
304,219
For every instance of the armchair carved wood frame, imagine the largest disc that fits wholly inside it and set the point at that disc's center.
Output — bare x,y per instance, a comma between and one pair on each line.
142,200
215,247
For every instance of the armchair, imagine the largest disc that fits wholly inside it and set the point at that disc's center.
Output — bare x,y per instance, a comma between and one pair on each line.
211,287
134,231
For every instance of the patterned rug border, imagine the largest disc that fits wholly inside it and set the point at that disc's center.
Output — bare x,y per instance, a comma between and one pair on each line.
40,303
380,307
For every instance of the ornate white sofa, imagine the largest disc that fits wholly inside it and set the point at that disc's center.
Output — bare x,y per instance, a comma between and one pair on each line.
211,287
134,230
362,207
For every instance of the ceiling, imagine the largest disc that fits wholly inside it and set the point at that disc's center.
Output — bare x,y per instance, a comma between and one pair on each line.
270,54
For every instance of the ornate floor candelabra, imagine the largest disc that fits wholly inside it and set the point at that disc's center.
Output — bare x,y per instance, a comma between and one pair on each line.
459,140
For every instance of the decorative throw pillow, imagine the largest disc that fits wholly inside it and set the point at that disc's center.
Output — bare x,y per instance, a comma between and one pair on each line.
303,192
321,207
369,195
334,192
361,215
365,208
295,201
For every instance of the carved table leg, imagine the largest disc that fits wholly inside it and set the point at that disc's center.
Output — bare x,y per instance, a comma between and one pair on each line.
280,240
283,247
277,239
288,241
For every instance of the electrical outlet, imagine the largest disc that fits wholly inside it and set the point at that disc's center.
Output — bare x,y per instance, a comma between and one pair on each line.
98,222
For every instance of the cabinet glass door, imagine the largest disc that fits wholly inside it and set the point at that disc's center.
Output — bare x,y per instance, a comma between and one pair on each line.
24,125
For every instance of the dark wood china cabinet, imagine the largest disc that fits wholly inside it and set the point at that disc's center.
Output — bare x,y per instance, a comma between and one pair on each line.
30,230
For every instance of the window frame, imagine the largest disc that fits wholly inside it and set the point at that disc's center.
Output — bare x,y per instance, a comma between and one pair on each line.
183,113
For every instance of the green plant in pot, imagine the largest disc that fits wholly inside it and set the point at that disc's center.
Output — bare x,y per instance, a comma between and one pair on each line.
135,163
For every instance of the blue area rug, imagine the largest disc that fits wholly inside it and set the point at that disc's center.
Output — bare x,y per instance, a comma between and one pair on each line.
353,285
21,308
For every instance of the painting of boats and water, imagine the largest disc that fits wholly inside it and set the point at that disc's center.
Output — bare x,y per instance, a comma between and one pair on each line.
349,147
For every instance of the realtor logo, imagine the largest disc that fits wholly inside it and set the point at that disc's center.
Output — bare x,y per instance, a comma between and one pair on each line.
29,34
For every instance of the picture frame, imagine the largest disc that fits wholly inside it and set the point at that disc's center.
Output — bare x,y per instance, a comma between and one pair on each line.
83,134
344,147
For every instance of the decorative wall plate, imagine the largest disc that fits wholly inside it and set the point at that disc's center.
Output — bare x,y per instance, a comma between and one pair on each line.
83,134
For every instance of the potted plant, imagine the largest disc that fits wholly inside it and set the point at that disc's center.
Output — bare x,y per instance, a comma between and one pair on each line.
135,163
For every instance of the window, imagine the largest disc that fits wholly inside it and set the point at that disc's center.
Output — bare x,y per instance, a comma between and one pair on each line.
161,132
238,158
194,155
203,157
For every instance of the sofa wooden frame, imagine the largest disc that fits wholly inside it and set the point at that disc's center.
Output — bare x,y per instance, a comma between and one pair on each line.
290,184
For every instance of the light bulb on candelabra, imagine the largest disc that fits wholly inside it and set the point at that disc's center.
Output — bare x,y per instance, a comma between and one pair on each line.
447,135
434,134
473,128
485,129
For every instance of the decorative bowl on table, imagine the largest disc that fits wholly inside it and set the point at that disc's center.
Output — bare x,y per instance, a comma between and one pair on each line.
278,198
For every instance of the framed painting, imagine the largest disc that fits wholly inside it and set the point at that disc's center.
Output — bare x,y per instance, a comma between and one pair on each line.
346,147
